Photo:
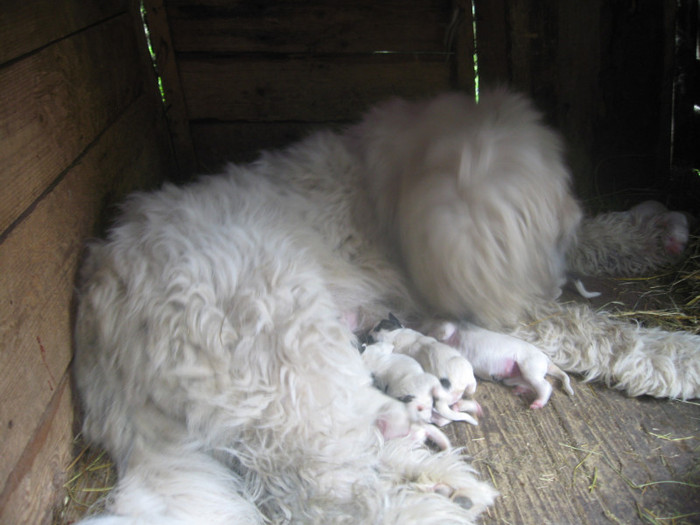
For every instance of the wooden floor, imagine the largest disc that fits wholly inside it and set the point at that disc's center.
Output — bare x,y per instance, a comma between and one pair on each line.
598,457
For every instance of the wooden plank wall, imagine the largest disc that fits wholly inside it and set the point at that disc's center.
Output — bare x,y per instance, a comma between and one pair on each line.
81,124
260,74
602,72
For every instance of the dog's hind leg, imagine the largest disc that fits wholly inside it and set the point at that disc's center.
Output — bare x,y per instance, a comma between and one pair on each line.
175,484
559,374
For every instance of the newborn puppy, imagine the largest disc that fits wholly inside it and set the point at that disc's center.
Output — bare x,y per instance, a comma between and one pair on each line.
447,364
401,377
394,420
504,358
444,362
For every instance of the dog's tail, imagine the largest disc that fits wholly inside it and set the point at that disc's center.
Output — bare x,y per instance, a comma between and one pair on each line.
176,485
556,372
629,357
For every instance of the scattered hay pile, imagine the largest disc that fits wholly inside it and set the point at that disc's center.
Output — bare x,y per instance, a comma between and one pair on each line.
670,299
89,477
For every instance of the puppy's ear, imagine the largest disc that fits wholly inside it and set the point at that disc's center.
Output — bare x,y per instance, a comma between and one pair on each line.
390,324
407,398
394,320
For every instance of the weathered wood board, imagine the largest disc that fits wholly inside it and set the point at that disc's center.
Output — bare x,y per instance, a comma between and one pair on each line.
286,64
591,67
318,26
38,261
32,488
257,90
27,26
55,103
597,457
80,126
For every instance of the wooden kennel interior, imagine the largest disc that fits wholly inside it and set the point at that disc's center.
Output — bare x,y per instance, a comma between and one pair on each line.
93,106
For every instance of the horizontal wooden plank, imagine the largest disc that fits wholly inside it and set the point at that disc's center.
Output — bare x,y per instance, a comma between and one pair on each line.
56,102
37,269
333,89
26,26
217,143
317,26
41,472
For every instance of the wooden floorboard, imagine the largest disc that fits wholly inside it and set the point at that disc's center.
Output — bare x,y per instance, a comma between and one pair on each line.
597,457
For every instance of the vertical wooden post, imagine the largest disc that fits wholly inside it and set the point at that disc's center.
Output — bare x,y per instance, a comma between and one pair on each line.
462,34
492,42
166,68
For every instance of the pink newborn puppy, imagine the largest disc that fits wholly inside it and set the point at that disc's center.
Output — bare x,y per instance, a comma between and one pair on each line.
505,358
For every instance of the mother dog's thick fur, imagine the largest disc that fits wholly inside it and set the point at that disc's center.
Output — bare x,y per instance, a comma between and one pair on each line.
214,334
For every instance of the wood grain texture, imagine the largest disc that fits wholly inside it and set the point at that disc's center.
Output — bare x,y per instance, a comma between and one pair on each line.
38,262
56,102
27,26
598,457
333,89
600,71
315,27
35,486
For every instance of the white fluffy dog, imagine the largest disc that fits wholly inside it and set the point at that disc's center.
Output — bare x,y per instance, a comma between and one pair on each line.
213,353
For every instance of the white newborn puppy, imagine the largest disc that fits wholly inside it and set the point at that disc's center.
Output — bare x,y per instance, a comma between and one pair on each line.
452,369
505,358
401,377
